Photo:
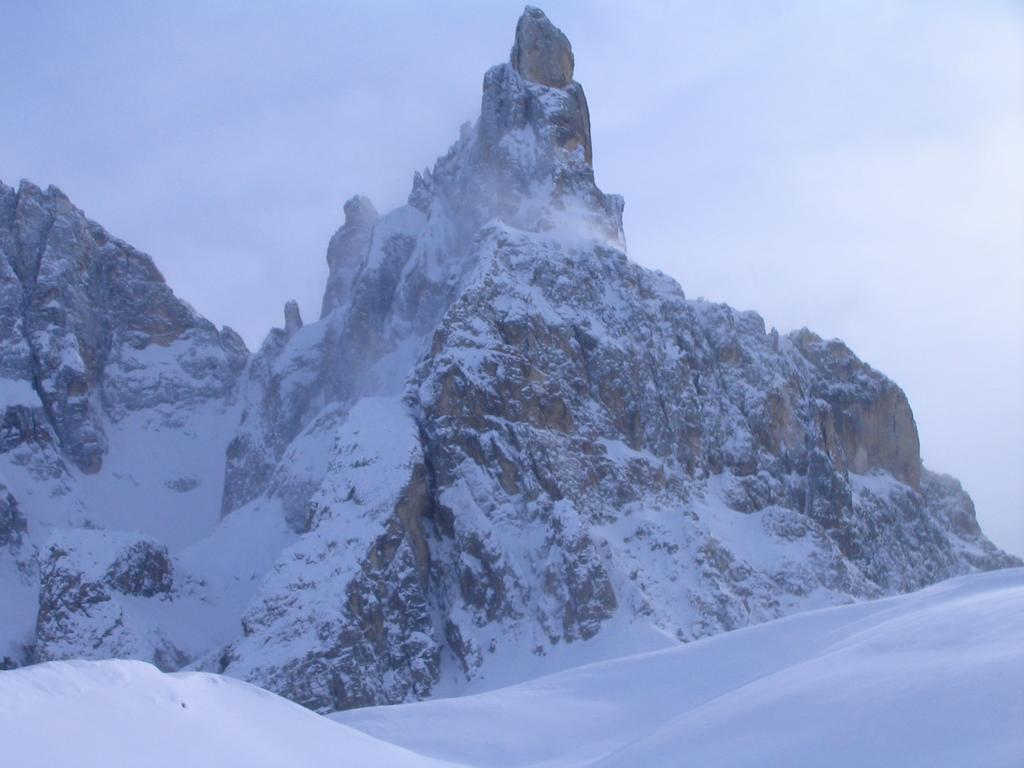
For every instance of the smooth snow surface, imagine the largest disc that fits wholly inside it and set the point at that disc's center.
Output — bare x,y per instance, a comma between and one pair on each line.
93,714
935,678
932,679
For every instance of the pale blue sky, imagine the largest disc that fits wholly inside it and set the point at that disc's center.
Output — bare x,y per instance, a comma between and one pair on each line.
855,167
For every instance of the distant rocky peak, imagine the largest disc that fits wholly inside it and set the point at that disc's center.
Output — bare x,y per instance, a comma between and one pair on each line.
292,318
359,212
541,52
38,208
346,251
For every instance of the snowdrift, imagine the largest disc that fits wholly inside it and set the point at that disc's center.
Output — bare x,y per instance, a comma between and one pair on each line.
89,714
935,678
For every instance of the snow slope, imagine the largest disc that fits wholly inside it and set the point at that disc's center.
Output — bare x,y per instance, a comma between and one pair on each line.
935,678
114,713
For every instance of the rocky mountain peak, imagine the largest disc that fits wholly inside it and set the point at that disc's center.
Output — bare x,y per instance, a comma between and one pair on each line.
542,53
360,212
536,92
83,312
501,440
346,249
292,317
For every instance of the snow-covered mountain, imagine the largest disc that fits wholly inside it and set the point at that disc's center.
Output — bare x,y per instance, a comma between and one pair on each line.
502,450
117,409
928,679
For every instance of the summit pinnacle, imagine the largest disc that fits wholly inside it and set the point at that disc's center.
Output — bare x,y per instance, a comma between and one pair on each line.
292,318
542,53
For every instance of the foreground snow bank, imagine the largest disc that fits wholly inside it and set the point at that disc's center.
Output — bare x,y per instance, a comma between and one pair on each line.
119,713
935,678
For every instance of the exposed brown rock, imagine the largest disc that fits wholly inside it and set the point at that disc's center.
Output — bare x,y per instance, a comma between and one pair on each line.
542,53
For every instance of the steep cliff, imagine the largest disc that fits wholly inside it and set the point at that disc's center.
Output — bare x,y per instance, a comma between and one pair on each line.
113,394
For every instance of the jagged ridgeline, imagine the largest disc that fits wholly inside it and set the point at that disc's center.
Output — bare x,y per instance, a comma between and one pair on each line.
503,449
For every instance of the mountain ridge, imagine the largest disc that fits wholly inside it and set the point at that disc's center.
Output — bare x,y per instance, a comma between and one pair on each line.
501,446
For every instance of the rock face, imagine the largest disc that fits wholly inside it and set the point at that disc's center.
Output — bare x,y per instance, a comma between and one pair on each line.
541,53
93,310
109,388
503,449
292,318
13,524
344,254
93,586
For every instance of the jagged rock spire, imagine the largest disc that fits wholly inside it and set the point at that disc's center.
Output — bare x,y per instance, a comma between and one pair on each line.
535,90
346,249
527,161
292,318
541,52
